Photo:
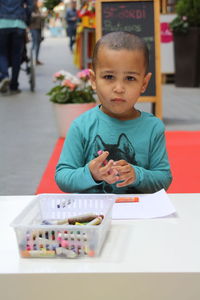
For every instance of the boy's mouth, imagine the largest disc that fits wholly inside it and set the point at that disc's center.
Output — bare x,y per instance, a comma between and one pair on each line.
118,100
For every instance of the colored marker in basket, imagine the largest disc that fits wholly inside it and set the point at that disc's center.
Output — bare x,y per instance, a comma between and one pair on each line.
127,200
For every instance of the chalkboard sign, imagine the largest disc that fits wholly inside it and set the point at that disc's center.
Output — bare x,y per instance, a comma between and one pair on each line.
140,18
122,16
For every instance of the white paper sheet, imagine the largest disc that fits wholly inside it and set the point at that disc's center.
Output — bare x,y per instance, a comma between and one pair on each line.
154,205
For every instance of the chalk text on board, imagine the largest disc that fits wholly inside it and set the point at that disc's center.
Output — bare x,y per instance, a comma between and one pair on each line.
111,12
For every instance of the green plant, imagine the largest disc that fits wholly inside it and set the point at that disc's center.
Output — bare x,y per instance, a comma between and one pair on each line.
188,15
50,4
72,89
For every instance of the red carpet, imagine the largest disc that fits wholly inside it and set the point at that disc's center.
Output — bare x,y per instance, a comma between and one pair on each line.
184,155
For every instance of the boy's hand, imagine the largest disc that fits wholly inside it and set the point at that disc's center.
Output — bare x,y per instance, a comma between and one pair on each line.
125,171
102,171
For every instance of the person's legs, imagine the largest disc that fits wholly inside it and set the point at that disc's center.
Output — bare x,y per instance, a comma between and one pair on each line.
4,42
71,42
72,38
36,40
4,64
17,45
38,45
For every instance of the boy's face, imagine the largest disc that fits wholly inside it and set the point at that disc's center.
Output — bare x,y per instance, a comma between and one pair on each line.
119,79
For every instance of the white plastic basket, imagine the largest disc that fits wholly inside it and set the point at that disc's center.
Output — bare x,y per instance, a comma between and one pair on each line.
38,240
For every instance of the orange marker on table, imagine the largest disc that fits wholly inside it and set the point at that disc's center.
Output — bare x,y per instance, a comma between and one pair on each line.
127,199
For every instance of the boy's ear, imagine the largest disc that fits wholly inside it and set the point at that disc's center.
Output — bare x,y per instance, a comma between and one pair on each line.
146,82
92,79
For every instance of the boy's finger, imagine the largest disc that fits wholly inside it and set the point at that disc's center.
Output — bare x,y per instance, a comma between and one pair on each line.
102,153
111,178
123,168
125,182
107,167
122,184
102,157
114,171
121,162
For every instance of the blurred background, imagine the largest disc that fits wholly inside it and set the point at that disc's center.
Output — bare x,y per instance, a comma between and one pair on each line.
28,126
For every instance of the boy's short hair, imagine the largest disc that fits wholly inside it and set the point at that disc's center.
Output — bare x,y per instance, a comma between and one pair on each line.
119,40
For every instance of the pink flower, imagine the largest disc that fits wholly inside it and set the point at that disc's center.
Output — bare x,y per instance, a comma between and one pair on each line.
69,84
84,74
57,74
184,18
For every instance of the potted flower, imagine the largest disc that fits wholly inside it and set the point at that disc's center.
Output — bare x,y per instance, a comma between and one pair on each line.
71,96
186,31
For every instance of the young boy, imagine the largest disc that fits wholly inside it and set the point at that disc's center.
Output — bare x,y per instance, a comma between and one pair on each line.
115,148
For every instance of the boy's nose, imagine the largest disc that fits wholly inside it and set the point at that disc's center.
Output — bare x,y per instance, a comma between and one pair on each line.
118,88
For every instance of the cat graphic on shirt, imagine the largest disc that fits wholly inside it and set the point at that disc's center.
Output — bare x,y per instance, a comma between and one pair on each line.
123,149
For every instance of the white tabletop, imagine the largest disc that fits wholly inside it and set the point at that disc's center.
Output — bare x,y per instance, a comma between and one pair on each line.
154,252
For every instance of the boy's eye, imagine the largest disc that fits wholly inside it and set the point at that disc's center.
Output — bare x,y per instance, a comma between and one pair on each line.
108,77
130,78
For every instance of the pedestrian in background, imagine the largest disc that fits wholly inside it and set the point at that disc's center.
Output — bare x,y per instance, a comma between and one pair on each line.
36,27
14,16
71,20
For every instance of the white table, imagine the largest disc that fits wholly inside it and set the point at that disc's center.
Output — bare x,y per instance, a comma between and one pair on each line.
156,259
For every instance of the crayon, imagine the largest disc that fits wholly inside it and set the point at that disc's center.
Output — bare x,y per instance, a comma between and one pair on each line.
38,253
82,218
25,253
64,243
77,223
127,199
55,222
91,253
72,221
71,236
95,221
69,253
59,250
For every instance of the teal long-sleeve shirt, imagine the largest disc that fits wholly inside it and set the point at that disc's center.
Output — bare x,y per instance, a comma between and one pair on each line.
141,142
